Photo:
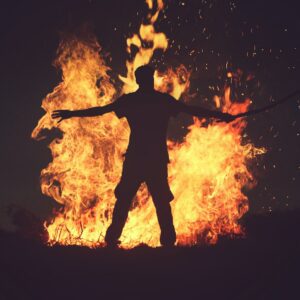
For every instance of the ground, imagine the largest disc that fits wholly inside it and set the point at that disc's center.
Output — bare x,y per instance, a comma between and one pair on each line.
264,265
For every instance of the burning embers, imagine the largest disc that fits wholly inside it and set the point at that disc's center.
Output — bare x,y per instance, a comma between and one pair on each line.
207,170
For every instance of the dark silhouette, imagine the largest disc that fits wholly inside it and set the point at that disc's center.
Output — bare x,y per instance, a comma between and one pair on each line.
147,112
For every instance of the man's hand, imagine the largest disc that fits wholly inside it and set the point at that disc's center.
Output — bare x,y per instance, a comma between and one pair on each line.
224,117
62,114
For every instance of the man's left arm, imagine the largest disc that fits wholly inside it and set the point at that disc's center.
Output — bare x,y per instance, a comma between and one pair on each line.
201,112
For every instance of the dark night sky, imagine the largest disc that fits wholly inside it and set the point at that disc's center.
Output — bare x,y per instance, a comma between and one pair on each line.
259,37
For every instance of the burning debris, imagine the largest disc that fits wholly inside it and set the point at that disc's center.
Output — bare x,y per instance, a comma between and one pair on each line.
207,173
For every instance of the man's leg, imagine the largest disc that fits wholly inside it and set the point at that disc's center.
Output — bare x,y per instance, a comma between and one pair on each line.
159,188
125,191
119,218
165,220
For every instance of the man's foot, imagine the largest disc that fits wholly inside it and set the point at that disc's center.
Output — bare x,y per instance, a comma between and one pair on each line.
168,245
168,238
113,244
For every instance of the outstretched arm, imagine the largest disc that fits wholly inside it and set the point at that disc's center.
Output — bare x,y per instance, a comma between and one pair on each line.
206,113
90,112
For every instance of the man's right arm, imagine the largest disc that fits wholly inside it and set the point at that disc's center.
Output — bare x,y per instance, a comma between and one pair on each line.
90,112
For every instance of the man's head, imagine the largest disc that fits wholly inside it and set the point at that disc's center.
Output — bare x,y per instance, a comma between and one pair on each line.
144,77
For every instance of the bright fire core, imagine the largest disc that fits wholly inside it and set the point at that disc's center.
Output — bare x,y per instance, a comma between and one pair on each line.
207,170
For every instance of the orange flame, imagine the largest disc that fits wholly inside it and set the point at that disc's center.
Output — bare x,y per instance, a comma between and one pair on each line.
207,171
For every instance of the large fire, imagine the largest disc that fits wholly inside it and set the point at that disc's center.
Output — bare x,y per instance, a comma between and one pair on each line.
207,170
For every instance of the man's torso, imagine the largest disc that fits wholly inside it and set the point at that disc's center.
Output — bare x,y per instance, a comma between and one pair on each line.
148,115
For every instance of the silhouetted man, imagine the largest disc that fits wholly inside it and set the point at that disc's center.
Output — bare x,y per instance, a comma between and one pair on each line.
147,112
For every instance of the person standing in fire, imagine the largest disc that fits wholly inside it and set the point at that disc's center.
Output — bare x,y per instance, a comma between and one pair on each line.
148,112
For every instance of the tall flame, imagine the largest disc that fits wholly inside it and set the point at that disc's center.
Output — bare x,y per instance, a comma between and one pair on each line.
207,171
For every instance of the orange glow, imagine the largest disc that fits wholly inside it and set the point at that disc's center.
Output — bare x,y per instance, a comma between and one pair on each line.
207,170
